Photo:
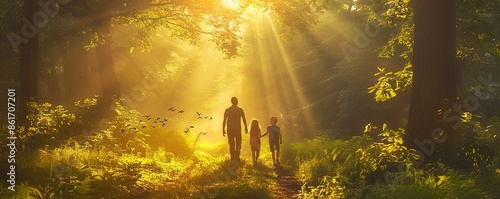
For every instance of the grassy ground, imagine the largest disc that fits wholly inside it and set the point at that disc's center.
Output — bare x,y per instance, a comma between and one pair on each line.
81,172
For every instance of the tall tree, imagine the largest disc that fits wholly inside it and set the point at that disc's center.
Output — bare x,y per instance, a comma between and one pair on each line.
435,75
28,59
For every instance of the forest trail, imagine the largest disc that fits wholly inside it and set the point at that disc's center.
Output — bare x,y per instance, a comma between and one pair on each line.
287,185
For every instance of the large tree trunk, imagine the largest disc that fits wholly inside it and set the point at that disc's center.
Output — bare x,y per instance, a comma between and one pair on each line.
109,82
435,76
28,63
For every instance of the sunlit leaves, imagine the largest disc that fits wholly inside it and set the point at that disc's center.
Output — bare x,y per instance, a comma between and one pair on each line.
398,9
390,150
391,82
45,119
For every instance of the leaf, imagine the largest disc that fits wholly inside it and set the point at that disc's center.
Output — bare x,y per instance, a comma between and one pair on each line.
392,94
490,49
368,128
336,155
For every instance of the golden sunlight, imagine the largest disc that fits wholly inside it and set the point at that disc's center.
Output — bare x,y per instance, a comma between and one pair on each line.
233,4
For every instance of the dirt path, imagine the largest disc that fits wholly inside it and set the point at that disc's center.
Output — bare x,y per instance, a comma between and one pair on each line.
287,185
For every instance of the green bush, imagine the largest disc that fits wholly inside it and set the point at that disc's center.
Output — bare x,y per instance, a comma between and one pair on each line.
478,143
47,126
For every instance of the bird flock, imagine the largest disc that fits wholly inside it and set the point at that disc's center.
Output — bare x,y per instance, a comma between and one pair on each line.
149,122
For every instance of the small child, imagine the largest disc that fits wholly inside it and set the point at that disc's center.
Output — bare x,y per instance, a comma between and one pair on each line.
255,139
274,139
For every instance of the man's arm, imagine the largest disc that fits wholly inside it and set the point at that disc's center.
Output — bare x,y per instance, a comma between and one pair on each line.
245,123
244,120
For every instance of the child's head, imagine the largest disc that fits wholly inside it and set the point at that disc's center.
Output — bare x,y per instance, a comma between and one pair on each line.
273,120
254,124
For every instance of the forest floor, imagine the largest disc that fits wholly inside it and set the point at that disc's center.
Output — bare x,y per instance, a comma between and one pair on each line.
287,185
221,178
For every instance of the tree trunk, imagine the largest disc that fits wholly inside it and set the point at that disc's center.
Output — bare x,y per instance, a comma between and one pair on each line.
76,71
28,62
109,82
435,76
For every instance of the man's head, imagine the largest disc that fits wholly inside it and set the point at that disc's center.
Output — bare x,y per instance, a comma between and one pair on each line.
234,101
273,120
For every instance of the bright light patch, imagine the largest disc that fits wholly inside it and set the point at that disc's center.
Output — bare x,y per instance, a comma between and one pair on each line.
233,4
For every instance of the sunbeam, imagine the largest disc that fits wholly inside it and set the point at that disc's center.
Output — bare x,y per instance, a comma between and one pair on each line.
295,87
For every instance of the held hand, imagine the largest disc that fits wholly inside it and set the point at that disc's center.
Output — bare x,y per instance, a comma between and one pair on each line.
246,130
224,133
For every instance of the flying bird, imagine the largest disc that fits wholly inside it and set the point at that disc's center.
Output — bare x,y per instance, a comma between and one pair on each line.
211,118
181,111
204,133
191,126
198,113
171,109
186,130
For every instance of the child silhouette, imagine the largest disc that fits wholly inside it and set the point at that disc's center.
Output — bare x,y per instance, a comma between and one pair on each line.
255,139
274,139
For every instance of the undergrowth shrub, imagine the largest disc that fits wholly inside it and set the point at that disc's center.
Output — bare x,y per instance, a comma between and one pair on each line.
382,169
478,143
47,126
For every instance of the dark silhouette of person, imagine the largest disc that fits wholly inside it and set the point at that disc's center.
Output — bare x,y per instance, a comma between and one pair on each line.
232,117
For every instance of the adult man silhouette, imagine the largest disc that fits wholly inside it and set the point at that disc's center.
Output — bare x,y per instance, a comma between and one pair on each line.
232,117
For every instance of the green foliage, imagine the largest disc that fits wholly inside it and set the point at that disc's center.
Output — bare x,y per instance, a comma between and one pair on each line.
330,188
477,41
87,171
445,183
478,143
67,178
391,82
44,119
383,168
116,164
321,156
123,132
389,151
47,125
